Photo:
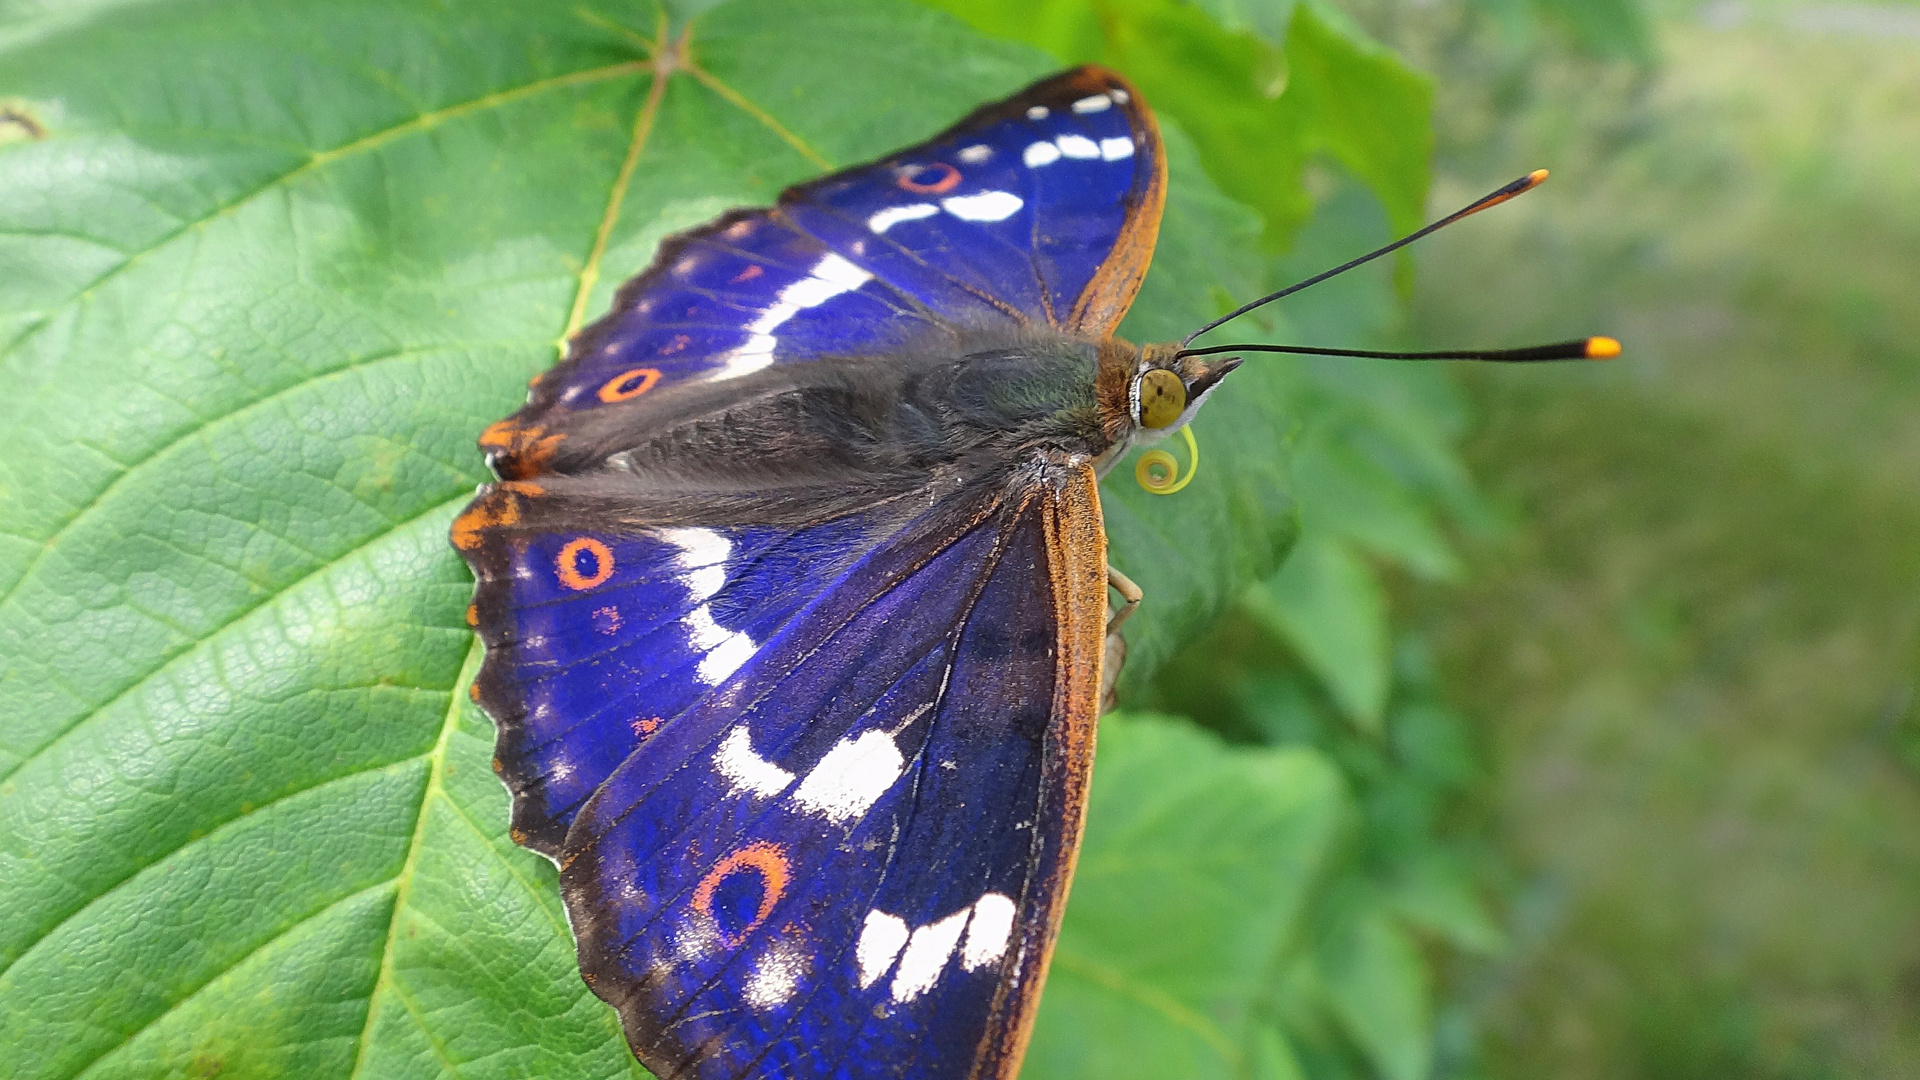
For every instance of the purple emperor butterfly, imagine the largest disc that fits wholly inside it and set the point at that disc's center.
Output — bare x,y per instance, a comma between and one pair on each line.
794,593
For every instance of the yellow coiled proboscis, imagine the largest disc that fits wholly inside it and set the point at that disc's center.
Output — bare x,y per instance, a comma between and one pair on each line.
1159,472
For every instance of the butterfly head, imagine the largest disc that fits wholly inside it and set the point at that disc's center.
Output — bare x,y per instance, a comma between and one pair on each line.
1166,389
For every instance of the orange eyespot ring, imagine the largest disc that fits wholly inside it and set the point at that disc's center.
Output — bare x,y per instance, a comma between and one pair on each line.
629,384
949,178
1159,472
1163,397
567,565
769,860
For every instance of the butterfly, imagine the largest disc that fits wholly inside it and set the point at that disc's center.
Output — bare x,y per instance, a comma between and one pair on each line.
794,593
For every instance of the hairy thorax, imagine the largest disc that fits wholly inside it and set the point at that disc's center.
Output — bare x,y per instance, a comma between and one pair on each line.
798,442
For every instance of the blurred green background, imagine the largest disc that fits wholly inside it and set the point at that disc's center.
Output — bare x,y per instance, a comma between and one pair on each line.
1678,656
1691,647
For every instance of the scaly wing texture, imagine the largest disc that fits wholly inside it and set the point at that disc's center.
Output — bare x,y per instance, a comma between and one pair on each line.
851,861
1038,210
839,840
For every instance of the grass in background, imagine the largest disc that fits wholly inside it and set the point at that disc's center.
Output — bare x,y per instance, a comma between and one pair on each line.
1694,651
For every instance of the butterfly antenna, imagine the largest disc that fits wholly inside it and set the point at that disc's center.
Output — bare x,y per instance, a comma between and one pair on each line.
1526,183
1592,348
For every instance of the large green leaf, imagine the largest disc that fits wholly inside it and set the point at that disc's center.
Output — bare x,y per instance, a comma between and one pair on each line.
270,271
1197,862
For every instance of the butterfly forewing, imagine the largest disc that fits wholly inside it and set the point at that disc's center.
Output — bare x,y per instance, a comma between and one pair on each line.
1038,210
1022,205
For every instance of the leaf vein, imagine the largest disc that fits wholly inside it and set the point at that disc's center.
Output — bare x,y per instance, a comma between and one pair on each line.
320,159
216,976
193,648
436,775
193,841
129,469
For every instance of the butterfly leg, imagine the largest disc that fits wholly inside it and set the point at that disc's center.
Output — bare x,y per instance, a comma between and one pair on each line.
1130,595
1116,646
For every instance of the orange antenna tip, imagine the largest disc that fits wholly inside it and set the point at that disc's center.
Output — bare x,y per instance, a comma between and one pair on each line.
1536,177
1602,348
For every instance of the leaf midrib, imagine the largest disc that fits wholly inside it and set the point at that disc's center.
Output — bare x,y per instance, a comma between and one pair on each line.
201,642
436,773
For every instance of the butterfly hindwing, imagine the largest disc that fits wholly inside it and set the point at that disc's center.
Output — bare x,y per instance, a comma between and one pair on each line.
850,862
597,638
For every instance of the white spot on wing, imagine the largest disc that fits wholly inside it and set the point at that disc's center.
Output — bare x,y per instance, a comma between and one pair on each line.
977,153
1118,95
1078,146
777,975
881,937
852,776
703,556
986,206
1040,153
1116,148
703,562
1037,112
894,215
926,954
746,770
1094,104
694,938
830,277
842,273
725,658
987,931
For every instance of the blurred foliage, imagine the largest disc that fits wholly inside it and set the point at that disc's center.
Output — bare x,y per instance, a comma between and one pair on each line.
1695,648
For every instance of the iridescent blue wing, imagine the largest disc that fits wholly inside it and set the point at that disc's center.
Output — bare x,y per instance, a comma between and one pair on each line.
1044,207
697,706
815,791
598,637
851,861
1038,210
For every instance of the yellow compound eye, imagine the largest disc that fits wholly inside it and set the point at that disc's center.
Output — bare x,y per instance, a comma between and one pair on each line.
1163,397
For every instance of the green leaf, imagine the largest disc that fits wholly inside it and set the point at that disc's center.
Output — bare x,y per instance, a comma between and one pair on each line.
1197,863
1273,1058
1346,494
1367,109
1267,19
1327,605
1376,983
1436,894
1171,545
270,271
